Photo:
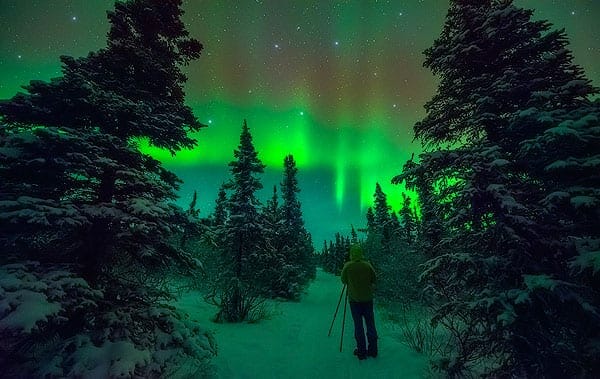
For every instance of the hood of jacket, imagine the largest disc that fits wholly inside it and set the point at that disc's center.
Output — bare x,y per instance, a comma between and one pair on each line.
356,252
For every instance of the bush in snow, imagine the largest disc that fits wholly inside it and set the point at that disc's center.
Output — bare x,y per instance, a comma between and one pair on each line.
54,324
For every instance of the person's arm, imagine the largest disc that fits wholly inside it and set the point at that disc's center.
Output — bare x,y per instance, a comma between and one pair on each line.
373,276
344,275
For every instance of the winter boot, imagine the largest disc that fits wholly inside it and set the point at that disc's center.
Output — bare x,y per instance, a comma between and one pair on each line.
360,356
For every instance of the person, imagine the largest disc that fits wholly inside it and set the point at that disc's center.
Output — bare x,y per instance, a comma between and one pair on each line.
359,276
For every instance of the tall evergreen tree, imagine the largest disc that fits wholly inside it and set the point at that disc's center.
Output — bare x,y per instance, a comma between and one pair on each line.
243,232
192,226
353,235
77,196
244,227
370,219
408,219
380,233
273,258
382,209
517,246
298,244
131,89
273,218
220,215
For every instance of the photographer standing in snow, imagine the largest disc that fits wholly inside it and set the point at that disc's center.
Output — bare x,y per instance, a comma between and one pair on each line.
359,276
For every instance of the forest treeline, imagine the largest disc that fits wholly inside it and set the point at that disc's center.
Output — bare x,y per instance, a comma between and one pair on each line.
504,251
390,243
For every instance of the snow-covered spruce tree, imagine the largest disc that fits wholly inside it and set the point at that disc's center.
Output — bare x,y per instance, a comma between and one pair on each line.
220,215
378,228
82,210
240,284
408,219
271,215
272,257
215,233
429,231
337,253
325,258
192,225
353,235
295,239
511,170
388,250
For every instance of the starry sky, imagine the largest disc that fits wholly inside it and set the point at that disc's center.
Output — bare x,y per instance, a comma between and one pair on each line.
338,84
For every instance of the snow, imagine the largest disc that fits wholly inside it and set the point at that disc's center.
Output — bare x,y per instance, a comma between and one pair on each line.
590,259
293,342
112,359
562,131
583,202
540,281
30,308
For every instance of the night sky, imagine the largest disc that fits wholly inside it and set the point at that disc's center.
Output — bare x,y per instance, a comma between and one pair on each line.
338,84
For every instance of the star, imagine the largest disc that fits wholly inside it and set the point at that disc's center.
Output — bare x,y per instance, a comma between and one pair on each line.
74,18
19,56
301,113
336,43
572,13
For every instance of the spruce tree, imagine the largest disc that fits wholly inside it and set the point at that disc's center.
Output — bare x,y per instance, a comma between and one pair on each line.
370,219
408,219
219,217
191,225
243,232
273,258
513,192
296,239
353,235
133,88
382,209
272,219
78,199
380,233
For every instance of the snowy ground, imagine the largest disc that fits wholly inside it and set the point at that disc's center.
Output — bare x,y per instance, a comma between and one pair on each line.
293,343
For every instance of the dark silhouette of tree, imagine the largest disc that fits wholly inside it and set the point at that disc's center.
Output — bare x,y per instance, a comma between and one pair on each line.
296,239
243,233
78,196
511,137
220,215
353,235
370,219
408,219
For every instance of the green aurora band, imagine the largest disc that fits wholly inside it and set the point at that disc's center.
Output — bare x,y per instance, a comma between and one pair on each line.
338,84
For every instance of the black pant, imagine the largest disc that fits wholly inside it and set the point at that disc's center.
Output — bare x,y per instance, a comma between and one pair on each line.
359,311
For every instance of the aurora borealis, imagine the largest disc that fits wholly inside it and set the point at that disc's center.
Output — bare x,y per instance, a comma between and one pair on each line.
338,84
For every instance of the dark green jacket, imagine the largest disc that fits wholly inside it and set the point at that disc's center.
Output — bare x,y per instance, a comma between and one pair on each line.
359,276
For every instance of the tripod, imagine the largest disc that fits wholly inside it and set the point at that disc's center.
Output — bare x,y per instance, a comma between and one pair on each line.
344,289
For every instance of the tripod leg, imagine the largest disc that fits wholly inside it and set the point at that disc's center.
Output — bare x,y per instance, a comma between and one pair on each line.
336,310
344,321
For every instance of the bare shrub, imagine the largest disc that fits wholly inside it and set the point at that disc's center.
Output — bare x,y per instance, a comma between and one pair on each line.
237,301
419,333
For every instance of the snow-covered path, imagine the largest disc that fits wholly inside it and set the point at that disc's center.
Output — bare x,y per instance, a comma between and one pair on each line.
293,343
